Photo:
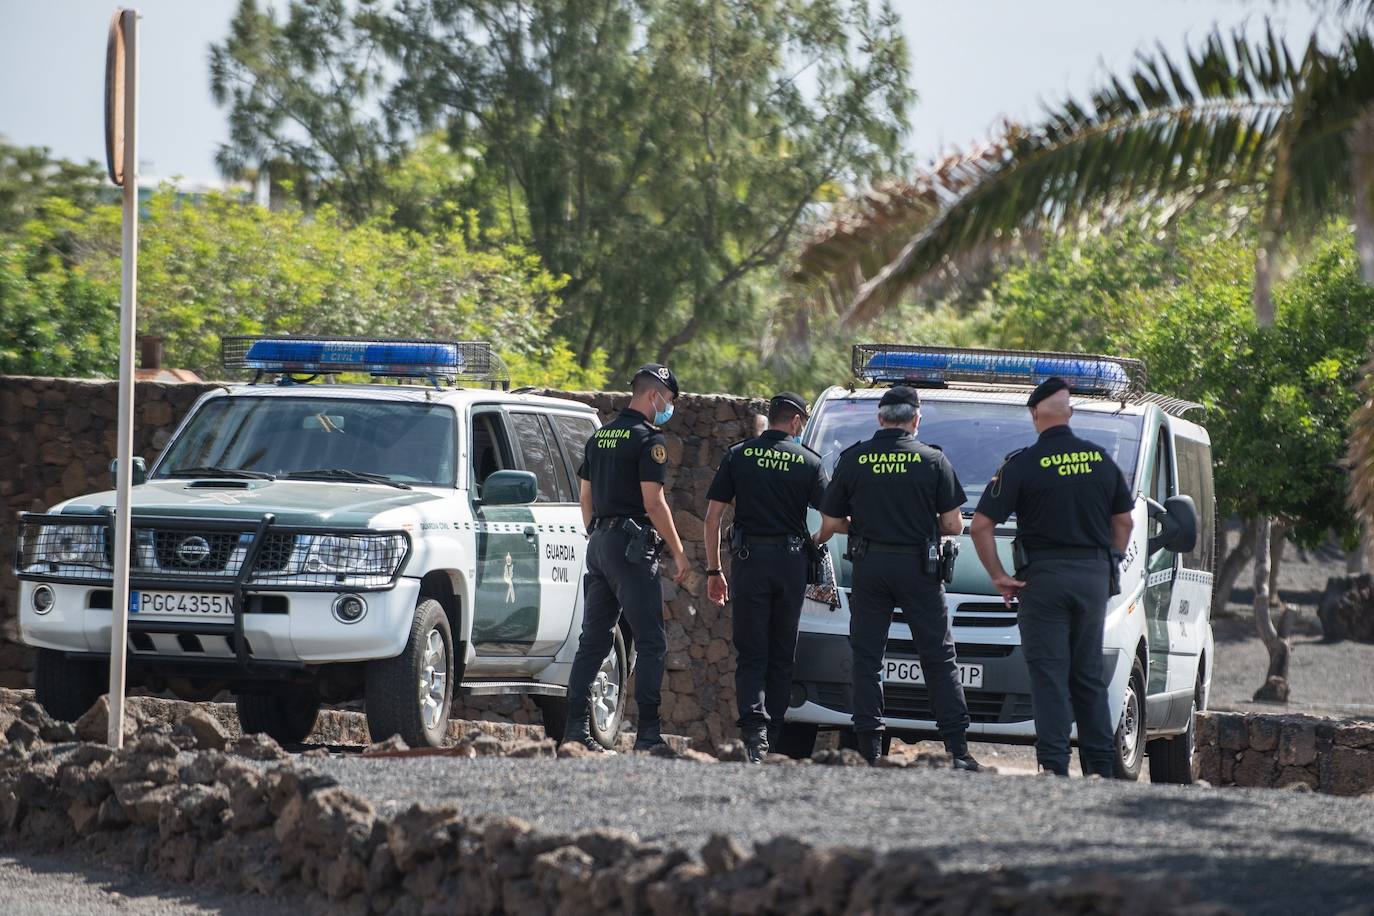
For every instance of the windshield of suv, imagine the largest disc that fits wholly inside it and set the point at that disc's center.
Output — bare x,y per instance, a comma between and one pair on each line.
976,436
406,442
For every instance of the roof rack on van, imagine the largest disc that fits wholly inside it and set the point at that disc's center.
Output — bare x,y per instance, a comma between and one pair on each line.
288,357
939,367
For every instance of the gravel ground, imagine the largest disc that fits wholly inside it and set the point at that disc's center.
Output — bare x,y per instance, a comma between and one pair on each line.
37,885
1262,851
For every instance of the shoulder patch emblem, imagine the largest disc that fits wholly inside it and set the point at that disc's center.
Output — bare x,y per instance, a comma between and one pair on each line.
659,454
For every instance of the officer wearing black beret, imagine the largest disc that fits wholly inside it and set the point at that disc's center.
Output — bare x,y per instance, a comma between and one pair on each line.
624,467
896,496
1073,520
771,479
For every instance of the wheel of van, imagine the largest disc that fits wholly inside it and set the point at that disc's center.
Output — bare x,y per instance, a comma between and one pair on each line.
288,717
410,695
1172,760
796,740
67,687
1130,732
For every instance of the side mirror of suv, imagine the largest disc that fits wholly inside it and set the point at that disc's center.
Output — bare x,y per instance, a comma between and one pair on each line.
1177,524
140,472
509,488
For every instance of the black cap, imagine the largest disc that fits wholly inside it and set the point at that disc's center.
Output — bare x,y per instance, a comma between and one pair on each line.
791,399
900,394
1052,385
661,374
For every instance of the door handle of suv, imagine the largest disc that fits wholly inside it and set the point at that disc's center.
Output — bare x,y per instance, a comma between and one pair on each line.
529,533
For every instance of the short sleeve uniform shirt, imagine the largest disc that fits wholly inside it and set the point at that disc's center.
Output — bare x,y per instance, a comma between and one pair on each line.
1064,491
771,481
893,487
621,455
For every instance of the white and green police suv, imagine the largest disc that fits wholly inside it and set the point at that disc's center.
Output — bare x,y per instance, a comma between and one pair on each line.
305,543
1158,640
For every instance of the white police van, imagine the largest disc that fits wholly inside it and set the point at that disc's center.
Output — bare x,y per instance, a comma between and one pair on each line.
1158,642
301,543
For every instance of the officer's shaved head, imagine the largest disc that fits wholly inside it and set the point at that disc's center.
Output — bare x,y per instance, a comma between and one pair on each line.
1054,410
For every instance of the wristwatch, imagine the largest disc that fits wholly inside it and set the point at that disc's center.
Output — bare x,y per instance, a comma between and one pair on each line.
714,572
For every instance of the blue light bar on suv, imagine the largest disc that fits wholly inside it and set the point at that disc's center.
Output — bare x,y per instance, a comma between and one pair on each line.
940,366
431,359
377,357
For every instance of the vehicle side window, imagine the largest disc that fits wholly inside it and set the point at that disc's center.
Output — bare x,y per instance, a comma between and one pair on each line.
490,450
567,477
1161,483
539,457
1195,480
573,433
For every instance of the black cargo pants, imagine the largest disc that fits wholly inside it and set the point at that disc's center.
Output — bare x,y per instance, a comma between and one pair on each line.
613,585
1063,607
767,592
883,581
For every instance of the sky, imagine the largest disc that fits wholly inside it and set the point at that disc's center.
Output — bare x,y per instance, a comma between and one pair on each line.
973,63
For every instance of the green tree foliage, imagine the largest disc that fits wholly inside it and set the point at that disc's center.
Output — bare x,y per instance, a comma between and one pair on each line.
1276,401
29,175
218,266
658,153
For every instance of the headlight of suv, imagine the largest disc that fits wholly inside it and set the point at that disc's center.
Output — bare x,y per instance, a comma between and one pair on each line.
65,545
357,554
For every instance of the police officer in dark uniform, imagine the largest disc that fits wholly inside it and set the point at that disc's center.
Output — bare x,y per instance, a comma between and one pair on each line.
771,479
624,467
896,496
1073,520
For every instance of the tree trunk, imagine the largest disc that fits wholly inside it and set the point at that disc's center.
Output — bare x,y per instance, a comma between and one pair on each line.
1278,540
1229,569
1275,687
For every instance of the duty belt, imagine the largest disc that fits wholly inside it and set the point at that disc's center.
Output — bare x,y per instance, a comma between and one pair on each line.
618,523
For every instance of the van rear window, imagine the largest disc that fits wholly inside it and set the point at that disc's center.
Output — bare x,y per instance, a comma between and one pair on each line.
975,435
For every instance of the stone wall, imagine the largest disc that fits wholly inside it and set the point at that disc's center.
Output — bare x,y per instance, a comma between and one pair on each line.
57,436
1263,751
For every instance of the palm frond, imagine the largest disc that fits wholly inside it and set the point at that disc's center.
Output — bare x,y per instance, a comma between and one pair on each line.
1166,132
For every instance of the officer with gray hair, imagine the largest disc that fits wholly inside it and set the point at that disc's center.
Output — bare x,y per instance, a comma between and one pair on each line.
896,496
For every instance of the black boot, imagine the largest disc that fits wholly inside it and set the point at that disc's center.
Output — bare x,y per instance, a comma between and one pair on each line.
649,735
870,745
963,760
578,731
755,744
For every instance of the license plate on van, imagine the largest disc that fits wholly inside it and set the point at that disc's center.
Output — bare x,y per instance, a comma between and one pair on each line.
908,671
180,604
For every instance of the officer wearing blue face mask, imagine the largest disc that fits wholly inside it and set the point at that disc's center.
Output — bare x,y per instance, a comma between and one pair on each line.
629,524
771,479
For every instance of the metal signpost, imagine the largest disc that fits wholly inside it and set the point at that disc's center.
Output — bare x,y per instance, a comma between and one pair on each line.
121,155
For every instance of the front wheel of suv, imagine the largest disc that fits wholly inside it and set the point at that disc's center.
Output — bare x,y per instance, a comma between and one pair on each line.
288,717
410,695
67,687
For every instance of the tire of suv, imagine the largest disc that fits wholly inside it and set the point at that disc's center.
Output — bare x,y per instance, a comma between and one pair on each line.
410,695
288,717
1130,733
67,687
1172,759
609,683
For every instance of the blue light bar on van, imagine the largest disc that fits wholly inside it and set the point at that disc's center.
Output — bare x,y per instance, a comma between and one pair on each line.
377,357
941,366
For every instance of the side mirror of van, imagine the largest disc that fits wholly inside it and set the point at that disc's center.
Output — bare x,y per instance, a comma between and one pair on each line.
509,488
140,472
1177,524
